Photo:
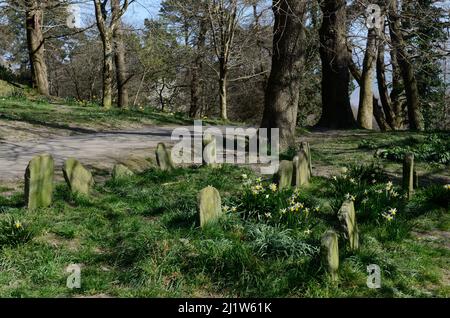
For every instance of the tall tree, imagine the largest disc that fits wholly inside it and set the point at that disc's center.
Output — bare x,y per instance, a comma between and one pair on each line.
366,106
283,86
34,10
407,70
223,18
119,58
336,108
107,31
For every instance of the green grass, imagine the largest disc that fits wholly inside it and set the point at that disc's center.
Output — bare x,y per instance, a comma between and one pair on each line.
355,147
87,117
139,237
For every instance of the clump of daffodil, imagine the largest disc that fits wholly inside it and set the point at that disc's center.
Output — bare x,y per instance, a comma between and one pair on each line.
390,214
233,209
273,187
17,225
447,187
389,186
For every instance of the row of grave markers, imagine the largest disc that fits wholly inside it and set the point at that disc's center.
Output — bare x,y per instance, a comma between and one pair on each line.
39,190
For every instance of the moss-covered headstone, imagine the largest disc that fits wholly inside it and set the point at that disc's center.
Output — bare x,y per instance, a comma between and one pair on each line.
285,174
330,252
210,151
164,157
120,171
210,205
307,149
39,182
77,177
301,169
347,217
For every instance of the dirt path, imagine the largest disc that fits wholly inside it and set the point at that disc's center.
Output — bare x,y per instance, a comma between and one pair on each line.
99,150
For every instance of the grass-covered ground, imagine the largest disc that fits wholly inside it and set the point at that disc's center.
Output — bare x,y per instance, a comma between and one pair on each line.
86,117
140,237
82,115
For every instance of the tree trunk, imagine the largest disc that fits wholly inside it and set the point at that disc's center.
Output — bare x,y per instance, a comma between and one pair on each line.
377,111
283,86
35,41
223,75
365,111
336,108
409,79
119,57
385,98
107,70
196,72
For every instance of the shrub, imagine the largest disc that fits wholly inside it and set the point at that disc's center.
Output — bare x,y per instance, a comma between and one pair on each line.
438,195
433,148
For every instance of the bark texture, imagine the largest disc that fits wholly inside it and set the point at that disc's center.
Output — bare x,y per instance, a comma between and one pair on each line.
336,108
283,87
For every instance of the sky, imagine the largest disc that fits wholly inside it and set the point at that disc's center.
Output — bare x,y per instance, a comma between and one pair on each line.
137,12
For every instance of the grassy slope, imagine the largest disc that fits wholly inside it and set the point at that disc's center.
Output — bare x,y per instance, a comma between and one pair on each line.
139,237
86,118
76,116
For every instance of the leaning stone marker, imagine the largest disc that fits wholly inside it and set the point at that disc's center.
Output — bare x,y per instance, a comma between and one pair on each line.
210,151
120,171
210,205
164,157
78,178
307,149
347,216
301,169
285,174
330,252
39,182
408,174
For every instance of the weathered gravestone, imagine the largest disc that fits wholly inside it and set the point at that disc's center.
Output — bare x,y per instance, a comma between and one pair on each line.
416,179
285,174
120,171
307,149
347,217
138,164
408,174
330,252
301,169
77,177
210,151
39,182
164,157
210,205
